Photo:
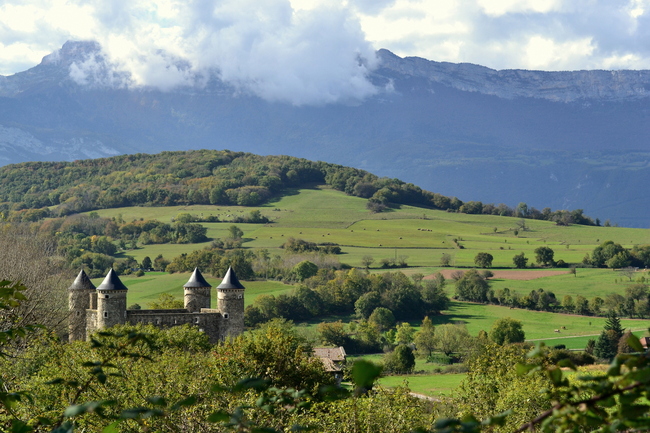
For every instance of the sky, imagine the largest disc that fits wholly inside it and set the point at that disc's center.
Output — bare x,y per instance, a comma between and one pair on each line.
320,51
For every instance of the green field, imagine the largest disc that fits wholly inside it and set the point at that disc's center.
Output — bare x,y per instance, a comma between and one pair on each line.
433,385
427,379
321,214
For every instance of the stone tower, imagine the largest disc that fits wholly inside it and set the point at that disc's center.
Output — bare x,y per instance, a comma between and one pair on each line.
111,301
81,297
197,292
230,301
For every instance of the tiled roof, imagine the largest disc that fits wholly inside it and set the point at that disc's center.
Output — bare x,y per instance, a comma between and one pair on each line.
112,282
230,281
82,282
197,280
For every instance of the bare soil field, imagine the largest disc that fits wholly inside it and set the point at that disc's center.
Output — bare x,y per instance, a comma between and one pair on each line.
509,274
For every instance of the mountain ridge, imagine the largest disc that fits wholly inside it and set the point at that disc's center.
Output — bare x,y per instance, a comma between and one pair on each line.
566,148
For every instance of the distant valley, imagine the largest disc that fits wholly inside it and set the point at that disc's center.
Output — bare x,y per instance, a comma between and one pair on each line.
550,139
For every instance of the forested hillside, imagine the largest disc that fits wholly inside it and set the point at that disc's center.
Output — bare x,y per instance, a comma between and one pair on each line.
28,190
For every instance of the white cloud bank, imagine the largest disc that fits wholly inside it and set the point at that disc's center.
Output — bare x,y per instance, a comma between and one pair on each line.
320,51
313,56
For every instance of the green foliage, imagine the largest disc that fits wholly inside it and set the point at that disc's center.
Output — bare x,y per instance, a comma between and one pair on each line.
146,263
304,270
544,256
301,246
520,261
333,333
452,338
383,318
404,333
493,386
273,352
400,360
506,330
483,260
607,344
472,287
166,301
425,342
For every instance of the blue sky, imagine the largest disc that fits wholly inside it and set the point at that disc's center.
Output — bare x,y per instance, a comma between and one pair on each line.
322,50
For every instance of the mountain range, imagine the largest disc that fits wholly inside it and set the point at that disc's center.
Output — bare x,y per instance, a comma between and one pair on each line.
564,140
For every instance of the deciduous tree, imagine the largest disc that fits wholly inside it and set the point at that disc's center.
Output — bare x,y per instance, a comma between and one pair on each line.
507,330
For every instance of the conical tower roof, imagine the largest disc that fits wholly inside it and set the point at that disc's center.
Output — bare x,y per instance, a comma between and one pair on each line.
112,282
230,281
82,282
196,280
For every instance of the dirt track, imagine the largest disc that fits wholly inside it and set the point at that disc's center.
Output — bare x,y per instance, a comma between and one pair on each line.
510,275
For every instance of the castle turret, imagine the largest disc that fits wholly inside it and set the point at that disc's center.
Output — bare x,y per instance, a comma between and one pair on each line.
230,301
111,301
197,292
81,295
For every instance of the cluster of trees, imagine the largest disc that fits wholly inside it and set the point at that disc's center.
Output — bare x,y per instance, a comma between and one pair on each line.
612,255
27,190
92,242
352,291
215,261
294,245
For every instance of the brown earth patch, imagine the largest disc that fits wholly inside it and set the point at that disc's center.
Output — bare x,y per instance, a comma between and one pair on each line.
509,274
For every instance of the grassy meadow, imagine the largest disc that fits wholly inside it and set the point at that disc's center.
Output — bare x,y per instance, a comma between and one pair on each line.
321,214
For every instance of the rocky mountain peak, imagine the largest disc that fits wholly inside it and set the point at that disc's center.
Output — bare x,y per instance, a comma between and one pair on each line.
71,52
562,86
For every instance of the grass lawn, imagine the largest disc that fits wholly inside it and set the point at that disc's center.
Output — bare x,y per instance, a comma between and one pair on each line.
536,324
433,385
427,381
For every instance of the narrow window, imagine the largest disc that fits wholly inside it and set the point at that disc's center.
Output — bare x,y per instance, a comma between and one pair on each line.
196,320
105,314
107,296
225,315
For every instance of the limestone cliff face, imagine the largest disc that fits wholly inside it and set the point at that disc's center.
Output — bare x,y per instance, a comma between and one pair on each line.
566,86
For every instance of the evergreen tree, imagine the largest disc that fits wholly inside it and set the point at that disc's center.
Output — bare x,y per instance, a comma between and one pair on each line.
613,323
606,346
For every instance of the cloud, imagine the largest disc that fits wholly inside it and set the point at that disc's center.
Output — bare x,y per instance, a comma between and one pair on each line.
505,34
305,56
318,51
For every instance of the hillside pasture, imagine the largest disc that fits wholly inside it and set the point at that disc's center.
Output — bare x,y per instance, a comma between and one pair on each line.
321,214
538,325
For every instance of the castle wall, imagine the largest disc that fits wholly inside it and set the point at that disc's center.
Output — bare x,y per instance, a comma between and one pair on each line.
209,322
91,322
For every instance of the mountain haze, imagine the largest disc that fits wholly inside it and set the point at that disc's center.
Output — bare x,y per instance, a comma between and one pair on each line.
557,139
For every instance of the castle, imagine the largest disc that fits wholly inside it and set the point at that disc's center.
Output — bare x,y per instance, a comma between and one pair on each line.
93,308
